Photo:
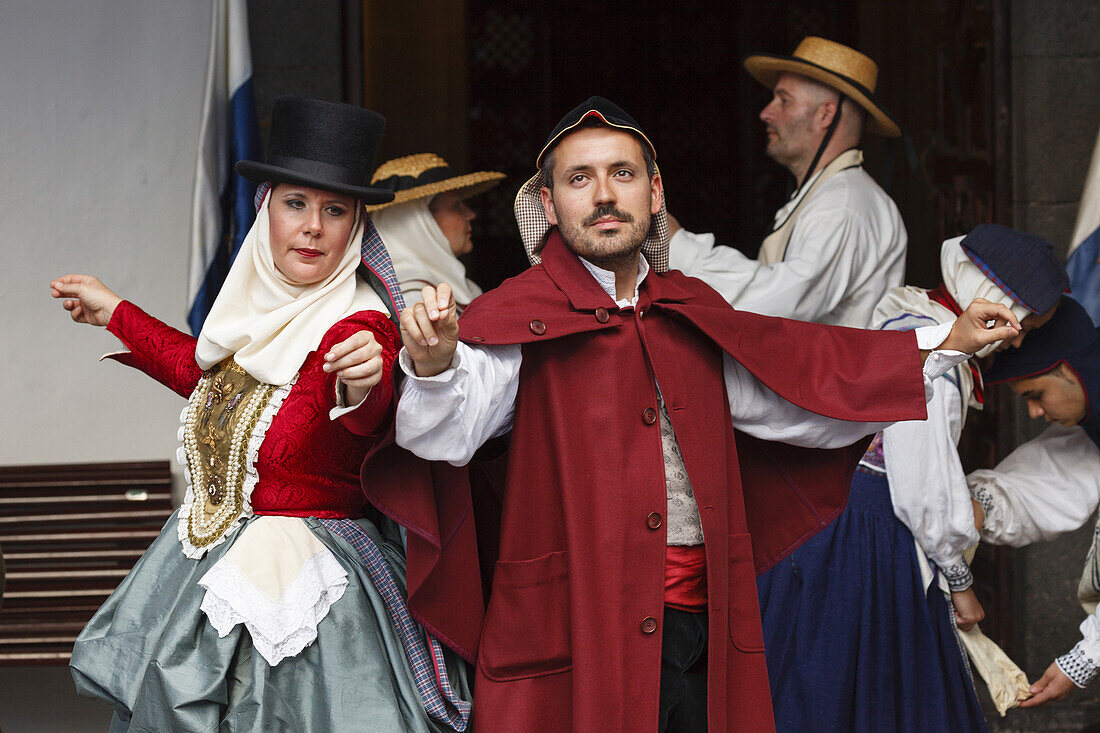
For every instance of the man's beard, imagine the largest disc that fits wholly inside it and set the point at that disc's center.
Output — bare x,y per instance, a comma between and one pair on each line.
602,248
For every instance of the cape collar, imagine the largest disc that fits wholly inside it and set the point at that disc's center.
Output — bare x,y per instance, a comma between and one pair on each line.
570,276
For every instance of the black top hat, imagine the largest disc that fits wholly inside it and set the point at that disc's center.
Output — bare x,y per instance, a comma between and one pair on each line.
606,111
324,145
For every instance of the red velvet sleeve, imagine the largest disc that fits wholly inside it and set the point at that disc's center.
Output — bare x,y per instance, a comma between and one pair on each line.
162,352
372,417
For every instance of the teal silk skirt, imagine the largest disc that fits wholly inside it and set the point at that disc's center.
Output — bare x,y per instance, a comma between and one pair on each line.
152,654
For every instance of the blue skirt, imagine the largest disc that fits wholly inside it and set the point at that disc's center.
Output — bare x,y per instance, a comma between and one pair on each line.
853,641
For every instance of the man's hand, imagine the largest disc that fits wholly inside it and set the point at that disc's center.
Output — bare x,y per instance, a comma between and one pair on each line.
971,331
357,361
429,330
968,610
1053,685
86,298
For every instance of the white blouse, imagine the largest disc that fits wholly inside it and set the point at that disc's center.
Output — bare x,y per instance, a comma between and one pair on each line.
927,484
1045,488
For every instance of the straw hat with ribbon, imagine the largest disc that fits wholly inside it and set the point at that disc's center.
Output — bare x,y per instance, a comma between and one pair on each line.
835,65
425,175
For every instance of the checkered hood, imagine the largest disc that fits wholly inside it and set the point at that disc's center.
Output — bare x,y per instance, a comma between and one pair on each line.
533,226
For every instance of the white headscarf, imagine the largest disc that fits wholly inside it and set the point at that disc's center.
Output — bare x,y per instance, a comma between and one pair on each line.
962,279
269,324
421,253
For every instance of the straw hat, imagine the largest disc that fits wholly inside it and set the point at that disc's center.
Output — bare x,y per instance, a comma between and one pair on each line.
834,65
426,174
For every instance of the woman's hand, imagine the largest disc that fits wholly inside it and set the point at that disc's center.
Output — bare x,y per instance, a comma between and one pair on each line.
979,515
86,298
429,330
1053,685
357,362
970,332
968,610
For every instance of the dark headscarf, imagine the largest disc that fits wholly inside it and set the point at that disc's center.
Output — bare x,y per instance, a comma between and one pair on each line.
1068,338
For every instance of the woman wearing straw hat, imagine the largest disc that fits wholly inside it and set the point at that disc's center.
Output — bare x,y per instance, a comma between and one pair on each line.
839,243
268,601
427,226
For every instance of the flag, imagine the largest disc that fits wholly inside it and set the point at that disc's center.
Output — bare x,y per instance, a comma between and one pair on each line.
1083,260
222,210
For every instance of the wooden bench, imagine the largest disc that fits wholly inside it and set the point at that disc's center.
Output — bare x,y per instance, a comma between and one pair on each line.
69,534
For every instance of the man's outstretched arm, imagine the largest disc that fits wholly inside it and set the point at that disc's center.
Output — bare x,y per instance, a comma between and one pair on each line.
455,397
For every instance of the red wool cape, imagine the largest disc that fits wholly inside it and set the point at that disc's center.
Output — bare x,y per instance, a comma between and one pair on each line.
568,642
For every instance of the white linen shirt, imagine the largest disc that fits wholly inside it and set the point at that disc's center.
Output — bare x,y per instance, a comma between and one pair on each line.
1043,489
928,486
447,417
846,250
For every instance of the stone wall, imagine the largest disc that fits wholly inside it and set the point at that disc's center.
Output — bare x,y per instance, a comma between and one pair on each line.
1055,113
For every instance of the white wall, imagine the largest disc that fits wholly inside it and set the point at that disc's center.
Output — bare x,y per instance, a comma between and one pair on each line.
99,116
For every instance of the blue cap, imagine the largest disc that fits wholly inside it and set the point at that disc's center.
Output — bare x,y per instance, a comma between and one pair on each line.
1023,265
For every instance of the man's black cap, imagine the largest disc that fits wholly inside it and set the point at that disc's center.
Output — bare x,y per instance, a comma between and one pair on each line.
610,113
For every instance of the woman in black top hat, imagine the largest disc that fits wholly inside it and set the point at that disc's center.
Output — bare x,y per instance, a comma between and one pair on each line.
268,601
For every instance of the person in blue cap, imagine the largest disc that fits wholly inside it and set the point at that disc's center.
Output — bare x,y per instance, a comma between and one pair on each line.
1051,485
859,621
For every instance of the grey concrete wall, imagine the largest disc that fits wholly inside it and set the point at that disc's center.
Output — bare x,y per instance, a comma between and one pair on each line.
1056,110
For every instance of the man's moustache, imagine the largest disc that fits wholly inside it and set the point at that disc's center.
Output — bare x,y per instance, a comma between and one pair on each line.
602,211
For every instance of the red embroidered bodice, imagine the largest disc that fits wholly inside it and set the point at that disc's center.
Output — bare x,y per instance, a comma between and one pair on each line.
308,465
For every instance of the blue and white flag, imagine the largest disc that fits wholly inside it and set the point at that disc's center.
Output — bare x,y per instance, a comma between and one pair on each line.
1083,260
222,210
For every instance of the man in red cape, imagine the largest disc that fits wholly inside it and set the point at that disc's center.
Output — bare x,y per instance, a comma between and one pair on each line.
640,406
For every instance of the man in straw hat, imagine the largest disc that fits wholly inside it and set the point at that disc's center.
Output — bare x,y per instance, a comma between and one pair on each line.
624,386
838,244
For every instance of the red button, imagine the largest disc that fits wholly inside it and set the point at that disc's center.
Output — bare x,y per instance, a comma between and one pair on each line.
649,416
538,327
641,313
649,625
602,315
478,339
653,521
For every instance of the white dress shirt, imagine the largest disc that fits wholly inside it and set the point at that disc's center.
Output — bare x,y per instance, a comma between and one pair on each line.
846,250
449,416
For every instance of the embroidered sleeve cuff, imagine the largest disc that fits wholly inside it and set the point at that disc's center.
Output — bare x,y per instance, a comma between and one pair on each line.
958,576
1077,666
445,377
939,363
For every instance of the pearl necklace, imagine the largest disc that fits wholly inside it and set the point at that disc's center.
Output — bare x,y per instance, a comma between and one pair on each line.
215,506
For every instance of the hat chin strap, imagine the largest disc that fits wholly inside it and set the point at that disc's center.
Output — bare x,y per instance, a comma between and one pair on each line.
824,143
